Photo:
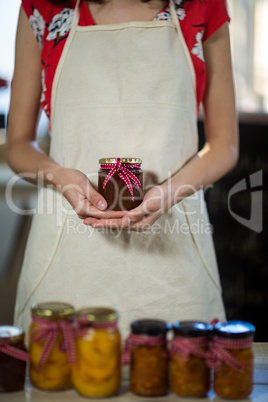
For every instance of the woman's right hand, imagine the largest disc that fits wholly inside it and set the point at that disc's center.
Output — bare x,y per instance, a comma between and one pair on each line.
79,192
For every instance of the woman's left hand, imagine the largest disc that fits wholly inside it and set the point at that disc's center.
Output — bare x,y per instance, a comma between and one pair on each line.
155,203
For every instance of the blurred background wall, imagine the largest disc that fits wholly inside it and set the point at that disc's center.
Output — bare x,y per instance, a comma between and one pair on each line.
237,203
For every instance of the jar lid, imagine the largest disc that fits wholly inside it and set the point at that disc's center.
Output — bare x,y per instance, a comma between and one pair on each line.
53,310
98,314
192,328
123,160
149,327
234,329
10,333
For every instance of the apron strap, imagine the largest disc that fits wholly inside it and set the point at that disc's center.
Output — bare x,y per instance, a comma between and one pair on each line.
175,20
76,14
63,57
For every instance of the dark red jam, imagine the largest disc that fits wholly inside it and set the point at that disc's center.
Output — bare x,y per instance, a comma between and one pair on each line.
122,191
12,370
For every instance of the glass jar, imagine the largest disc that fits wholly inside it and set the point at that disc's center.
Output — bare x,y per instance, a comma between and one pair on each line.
190,375
121,183
51,345
232,359
97,369
148,357
13,357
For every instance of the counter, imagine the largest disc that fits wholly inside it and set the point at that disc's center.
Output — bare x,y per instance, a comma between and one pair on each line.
260,392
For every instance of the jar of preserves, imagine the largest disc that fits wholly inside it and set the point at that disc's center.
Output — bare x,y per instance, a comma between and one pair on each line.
121,182
190,375
232,359
149,361
13,358
97,369
51,345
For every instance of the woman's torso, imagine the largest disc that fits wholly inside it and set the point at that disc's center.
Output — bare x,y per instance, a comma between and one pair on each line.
51,25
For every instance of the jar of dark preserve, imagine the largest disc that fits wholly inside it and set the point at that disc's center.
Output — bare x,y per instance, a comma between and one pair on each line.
149,361
232,359
121,183
190,375
13,357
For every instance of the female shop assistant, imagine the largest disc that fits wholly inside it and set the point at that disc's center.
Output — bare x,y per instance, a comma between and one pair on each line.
123,78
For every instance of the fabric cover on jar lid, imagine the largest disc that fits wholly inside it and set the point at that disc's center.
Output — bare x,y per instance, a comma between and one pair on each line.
192,328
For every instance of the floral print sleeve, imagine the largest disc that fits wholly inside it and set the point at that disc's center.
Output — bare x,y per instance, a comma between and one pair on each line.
38,25
199,19
51,26
60,24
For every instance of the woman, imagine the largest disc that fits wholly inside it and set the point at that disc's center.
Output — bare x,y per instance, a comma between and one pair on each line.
128,77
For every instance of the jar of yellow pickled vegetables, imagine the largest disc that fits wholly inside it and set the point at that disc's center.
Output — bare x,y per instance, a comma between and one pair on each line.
97,369
190,375
51,344
149,361
232,359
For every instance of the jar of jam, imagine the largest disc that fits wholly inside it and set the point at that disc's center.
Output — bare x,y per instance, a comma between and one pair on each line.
97,369
232,359
51,345
121,183
190,375
13,357
149,362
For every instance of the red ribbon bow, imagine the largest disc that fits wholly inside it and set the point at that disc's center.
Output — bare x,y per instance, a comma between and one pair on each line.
218,352
189,346
123,172
50,330
13,352
139,340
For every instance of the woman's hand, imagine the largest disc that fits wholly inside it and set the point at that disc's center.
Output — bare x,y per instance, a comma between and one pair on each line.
84,199
155,203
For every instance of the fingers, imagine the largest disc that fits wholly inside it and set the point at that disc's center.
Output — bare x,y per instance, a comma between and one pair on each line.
91,207
76,187
96,199
124,223
92,212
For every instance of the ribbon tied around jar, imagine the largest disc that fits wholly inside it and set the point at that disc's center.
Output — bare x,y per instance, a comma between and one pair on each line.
20,354
219,352
139,340
186,346
49,331
123,171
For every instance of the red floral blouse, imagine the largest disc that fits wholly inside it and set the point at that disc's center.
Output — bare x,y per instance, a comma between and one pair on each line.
51,24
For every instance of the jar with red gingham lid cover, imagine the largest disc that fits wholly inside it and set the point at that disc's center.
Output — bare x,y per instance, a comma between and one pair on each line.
232,359
121,182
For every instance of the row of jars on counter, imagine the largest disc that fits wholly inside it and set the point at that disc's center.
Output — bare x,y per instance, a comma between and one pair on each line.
82,349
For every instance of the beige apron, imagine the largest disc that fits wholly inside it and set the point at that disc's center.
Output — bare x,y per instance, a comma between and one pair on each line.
123,90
